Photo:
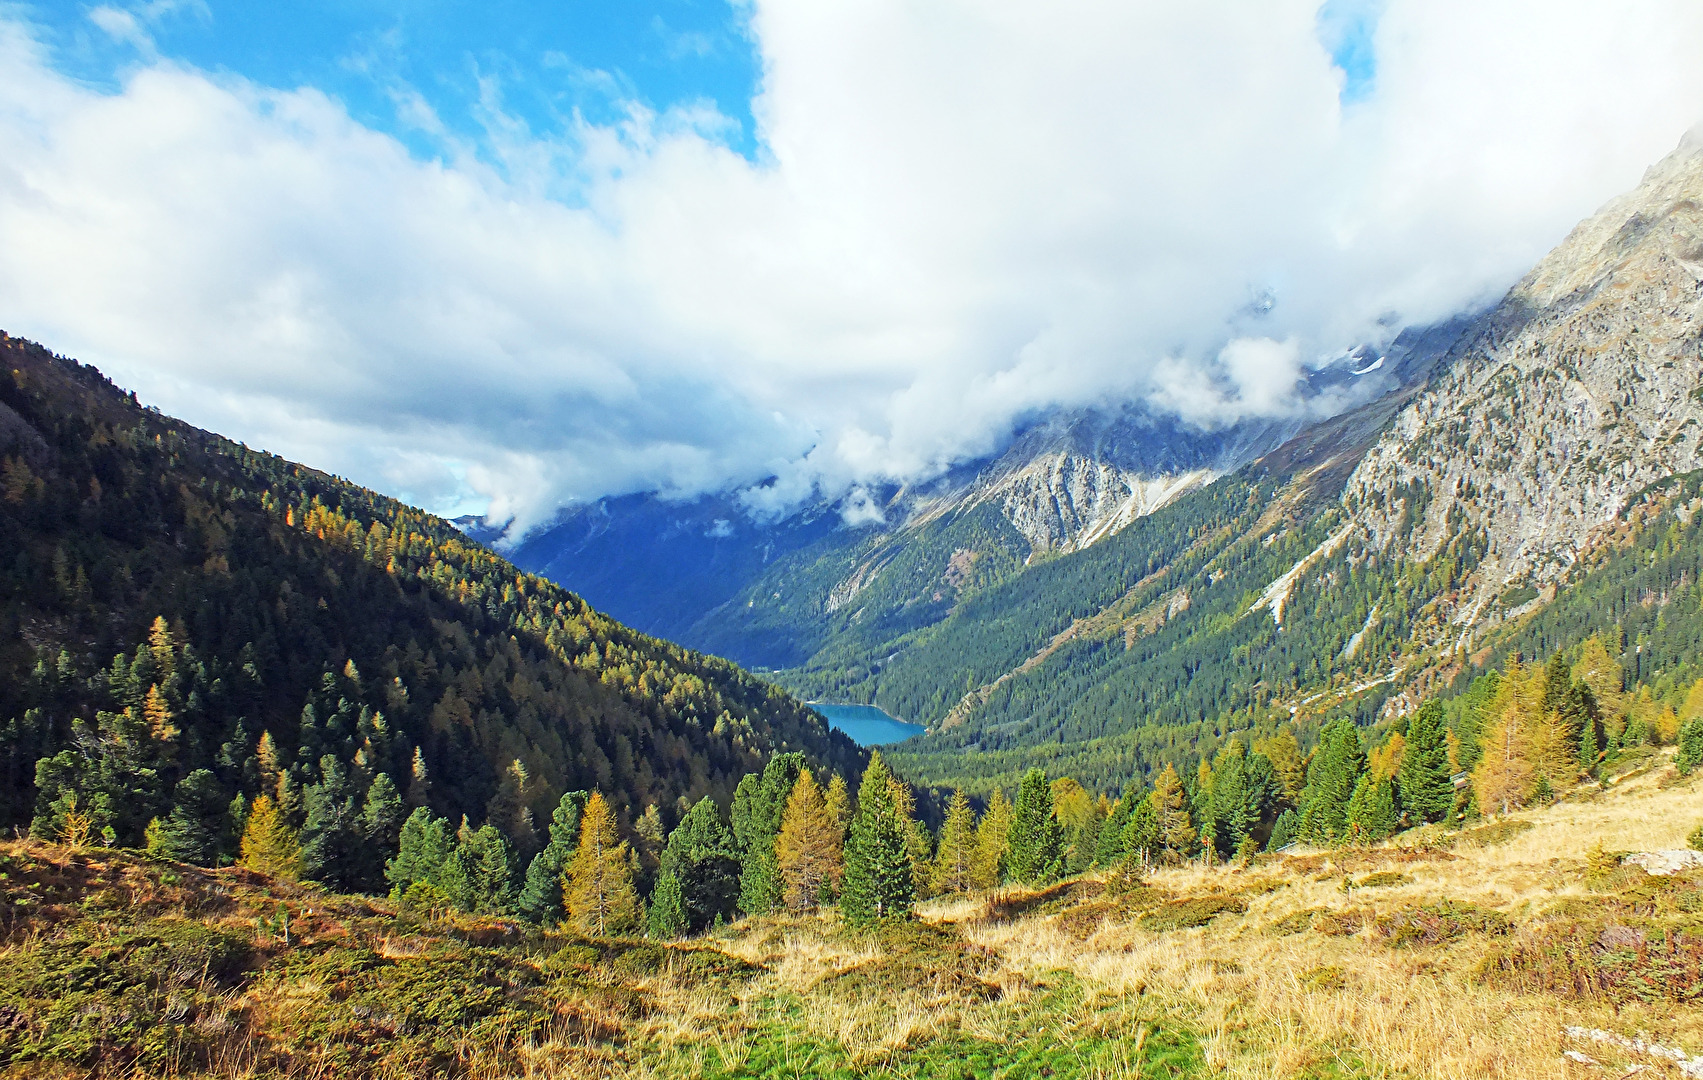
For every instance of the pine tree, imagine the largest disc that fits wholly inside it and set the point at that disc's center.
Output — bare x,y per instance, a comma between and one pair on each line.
381,824
490,862
1690,746
1332,775
1427,792
1037,838
195,830
807,849
540,897
993,843
269,845
599,889
421,850
666,917
953,862
1283,831
879,881
702,857
1372,813
1171,805
331,832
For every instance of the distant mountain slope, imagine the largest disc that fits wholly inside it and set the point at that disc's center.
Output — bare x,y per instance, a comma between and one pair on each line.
811,590
335,621
1399,546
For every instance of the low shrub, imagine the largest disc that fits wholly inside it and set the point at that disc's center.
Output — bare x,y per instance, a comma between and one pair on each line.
1440,923
1190,912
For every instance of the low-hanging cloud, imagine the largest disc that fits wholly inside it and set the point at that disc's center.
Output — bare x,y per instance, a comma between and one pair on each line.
962,215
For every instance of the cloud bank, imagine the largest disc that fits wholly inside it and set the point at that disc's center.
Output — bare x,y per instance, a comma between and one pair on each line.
962,215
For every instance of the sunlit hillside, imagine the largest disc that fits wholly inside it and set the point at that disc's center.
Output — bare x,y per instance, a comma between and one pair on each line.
1466,954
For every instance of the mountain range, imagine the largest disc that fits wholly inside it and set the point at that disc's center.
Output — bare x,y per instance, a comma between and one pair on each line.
1117,588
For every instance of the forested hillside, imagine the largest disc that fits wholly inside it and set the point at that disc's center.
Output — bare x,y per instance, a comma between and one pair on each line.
188,619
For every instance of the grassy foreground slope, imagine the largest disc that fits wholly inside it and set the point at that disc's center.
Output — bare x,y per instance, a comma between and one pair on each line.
1454,955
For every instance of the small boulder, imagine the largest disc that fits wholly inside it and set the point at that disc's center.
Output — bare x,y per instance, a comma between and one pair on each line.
1663,863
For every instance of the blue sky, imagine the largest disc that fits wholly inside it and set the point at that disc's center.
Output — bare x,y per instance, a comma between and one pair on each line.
538,63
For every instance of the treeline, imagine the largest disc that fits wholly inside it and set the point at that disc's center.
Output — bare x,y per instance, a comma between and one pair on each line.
181,616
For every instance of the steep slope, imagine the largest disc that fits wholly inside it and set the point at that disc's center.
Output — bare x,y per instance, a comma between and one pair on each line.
169,597
1583,389
1505,505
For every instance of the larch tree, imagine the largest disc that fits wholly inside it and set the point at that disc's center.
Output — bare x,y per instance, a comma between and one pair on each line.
1176,836
879,877
599,889
269,845
956,857
839,804
1504,776
993,843
807,848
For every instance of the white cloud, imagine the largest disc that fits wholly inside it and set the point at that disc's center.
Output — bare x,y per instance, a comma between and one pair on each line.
964,214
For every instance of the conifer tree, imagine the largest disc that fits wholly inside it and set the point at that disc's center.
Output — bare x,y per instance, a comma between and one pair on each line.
1504,775
993,843
839,803
760,886
490,864
509,810
1372,812
807,849
599,889
649,837
1171,806
879,877
269,845
1283,830
665,919
1037,838
195,830
1142,832
421,850
1109,847
381,824
1690,746
701,855
419,779
331,833
1427,793
540,898
1332,775
1287,761
956,856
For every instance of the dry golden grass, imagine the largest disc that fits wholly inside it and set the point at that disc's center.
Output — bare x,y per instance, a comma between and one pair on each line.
1278,1006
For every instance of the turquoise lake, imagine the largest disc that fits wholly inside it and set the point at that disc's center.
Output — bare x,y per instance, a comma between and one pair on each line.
867,725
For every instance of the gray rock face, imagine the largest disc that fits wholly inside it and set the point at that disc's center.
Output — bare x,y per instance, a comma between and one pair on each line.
1582,388
1665,863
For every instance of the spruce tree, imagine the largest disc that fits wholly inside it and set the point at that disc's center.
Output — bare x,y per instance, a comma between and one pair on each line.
1427,793
1283,831
993,843
807,849
490,862
269,845
1690,753
956,855
879,881
1037,837
702,857
599,889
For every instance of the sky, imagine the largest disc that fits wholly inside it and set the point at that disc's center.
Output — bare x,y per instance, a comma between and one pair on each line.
503,257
